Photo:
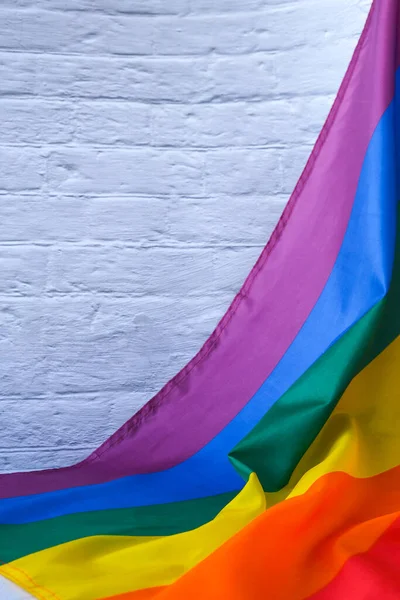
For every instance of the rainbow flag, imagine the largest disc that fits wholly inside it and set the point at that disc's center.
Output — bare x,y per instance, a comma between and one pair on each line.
269,467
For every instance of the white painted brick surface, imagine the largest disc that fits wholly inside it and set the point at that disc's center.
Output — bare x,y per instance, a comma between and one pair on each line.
147,148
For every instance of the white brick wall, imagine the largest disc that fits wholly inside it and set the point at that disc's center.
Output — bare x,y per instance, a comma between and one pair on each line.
147,148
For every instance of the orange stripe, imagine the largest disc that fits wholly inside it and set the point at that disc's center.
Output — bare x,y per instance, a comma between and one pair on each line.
296,547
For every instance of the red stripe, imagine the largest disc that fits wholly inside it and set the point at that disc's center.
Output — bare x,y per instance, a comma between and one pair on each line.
373,575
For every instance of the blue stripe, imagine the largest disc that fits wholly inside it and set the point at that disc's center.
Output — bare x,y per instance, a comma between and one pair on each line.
359,279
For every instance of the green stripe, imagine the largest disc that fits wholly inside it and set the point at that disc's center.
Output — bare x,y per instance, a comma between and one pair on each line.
278,442
163,519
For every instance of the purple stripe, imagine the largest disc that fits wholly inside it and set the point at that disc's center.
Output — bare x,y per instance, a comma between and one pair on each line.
275,300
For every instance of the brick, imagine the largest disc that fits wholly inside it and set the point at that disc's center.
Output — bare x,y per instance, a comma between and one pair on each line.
23,269
134,171
76,32
163,79
138,220
243,77
35,122
237,171
17,76
21,169
180,80
29,423
30,217
23,365
107,123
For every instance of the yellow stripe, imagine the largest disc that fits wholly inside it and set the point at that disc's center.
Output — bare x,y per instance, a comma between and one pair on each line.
361,437
102,566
